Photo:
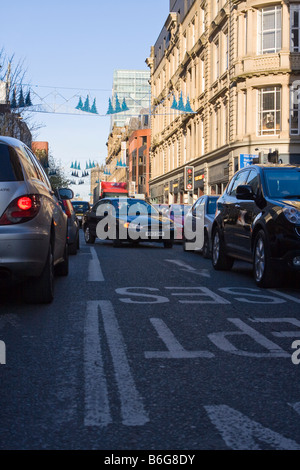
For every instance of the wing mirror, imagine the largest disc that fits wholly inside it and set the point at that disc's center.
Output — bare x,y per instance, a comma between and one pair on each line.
245,191
65,193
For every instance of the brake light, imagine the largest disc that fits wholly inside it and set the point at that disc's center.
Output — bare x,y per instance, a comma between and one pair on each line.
24,203
21,209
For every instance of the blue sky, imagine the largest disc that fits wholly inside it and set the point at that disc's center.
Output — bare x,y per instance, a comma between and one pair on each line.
78,44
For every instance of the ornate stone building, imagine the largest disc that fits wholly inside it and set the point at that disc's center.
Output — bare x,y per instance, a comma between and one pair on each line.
237,64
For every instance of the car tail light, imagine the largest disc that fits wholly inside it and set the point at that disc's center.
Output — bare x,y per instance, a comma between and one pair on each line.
67,209
21,210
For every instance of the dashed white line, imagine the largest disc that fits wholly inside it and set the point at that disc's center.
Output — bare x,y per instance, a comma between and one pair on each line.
97,411
95,271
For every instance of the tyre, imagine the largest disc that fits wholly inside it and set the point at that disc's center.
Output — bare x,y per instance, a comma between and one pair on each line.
40,290
220,261
117,243
262,270
168,244
73,248
184,244
205,249
78,242
89,238
62,269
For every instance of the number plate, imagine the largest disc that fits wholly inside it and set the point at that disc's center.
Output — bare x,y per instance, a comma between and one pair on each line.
155,234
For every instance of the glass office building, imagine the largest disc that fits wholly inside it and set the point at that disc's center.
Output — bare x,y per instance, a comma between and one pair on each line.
134,87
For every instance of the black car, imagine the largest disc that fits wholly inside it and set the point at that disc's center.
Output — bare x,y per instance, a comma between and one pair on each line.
73,227
127,220
80,208
258,220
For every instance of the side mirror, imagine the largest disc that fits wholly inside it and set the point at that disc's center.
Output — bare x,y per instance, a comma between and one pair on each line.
65,193
245,191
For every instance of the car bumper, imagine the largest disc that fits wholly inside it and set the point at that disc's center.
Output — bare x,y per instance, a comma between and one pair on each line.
23,254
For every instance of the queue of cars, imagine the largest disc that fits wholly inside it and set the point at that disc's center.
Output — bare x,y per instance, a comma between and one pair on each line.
256,219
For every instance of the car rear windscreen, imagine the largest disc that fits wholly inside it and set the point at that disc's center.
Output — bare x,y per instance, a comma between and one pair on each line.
10,167
80,206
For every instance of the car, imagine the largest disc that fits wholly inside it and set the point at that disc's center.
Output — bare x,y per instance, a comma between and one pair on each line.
73,226
204,218
177,213
127,220
258,221
33,227
81,207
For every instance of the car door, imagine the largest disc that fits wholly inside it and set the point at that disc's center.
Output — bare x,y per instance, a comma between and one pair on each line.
247,213
233,213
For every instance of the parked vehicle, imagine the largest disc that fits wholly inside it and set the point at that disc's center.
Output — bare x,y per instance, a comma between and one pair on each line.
111,189
178,213
81,207
258,220
203,219
33,227
130,220
73,226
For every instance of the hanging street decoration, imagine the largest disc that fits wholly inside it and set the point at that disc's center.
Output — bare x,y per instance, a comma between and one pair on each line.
86,106
118,107
120,164
180,106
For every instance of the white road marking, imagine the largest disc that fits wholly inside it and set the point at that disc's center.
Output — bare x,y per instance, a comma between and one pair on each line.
242,433
132,408
97,412
285,296
205,295
188,268
295,406
220,340
95,271
175,350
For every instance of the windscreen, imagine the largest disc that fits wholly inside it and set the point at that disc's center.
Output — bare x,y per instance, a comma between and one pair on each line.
211,206
10,167
282,183
80,206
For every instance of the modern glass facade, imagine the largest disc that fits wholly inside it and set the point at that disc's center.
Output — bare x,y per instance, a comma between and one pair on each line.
134,87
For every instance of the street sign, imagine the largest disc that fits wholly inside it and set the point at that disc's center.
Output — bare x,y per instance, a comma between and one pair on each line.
246,159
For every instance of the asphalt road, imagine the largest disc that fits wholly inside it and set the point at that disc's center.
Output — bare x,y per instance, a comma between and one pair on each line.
149,348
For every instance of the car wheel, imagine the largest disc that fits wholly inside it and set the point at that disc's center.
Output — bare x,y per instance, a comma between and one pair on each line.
117,243
73,248
220,261
41,290
263,274
78,242
205,249
62,269
168,244
89,238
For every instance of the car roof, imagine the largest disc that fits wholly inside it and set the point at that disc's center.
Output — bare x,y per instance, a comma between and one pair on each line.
273,166
11,141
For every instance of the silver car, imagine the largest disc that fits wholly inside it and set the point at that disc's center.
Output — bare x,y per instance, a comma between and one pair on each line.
200,216
33,227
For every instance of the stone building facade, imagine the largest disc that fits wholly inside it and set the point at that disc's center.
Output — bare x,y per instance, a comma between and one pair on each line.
237,63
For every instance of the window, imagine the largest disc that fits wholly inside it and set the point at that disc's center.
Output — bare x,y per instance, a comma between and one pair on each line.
253,181
295,28
240,178
294,111
10,168
216,59
269,115
226,43
202,75
269,30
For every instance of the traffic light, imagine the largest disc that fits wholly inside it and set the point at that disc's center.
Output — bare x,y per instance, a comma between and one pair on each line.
189,178
273,156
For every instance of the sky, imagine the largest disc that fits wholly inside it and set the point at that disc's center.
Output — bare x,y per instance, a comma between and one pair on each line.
73,47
